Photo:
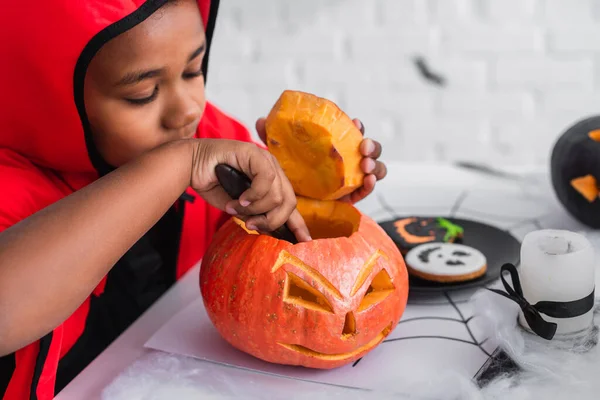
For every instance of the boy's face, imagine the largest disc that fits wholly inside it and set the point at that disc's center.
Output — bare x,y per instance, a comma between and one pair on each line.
145,87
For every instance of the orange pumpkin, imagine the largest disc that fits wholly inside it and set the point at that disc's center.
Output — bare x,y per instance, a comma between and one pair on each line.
316,144
320,304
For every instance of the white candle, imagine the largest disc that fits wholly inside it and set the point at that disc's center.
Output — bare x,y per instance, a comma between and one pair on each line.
558,265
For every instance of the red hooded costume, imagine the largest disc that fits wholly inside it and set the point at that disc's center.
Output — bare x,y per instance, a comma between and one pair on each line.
46,153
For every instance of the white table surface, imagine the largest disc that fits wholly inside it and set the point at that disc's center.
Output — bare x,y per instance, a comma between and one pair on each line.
130,345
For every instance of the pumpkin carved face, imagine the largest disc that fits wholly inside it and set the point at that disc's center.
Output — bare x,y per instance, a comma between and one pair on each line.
319,304
575,170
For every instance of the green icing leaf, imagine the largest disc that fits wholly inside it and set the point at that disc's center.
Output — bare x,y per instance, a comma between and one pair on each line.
452,230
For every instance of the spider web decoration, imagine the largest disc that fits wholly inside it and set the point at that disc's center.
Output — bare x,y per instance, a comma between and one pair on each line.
438,331
519,212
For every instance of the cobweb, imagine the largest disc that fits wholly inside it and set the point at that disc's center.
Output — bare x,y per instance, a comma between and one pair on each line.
512,206
438,331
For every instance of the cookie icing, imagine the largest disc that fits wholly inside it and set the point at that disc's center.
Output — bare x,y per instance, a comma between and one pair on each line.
410,232
445,259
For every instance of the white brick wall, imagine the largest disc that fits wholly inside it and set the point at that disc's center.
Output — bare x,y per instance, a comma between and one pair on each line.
518,72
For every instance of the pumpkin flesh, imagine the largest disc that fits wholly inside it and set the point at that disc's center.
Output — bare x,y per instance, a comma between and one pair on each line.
316,144
319,304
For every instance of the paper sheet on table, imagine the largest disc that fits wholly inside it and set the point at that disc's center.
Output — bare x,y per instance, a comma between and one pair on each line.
430,339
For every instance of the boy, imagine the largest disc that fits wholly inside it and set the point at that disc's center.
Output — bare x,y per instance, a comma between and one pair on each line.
106,127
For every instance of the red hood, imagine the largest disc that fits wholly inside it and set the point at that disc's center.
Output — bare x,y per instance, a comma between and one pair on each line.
42,116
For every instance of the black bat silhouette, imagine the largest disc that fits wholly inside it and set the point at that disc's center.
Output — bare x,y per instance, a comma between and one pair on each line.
426,73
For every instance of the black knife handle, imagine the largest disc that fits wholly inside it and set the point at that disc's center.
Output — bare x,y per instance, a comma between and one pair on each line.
235,183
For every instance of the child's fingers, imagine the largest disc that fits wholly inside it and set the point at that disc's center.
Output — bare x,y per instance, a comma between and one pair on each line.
267,222
371,148
368,165
365,190
380,170
265,172
271,221
359,125
279,215
261,129
219,198
271,200
297,225
257,223
231,208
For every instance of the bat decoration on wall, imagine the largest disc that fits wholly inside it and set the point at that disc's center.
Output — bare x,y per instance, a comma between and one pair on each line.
426,73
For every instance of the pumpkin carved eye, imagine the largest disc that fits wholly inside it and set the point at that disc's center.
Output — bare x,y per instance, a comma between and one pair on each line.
594,135
587,186
381,287
298,291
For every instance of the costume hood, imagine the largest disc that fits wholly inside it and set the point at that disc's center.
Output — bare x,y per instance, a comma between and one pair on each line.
51,43
46,153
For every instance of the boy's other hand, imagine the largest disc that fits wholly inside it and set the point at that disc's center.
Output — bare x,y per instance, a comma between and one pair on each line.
374,169
268,204
370,149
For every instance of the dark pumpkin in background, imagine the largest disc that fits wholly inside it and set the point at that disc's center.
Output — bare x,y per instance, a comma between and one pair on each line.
320,304
575,170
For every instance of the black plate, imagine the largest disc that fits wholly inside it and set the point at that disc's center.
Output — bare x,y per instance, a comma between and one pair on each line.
498,246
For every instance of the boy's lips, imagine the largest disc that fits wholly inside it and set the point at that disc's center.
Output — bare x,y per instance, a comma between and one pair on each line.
190,132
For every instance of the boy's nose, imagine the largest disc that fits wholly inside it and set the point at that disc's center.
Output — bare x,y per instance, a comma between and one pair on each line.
183,116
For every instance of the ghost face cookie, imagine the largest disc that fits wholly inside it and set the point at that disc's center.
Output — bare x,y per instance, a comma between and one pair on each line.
410,232
446,262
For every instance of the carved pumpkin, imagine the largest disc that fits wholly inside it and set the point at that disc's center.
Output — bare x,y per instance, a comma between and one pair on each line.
316,144
320,304
575,170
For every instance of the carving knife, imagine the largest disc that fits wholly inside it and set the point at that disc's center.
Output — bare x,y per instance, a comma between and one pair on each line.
235,183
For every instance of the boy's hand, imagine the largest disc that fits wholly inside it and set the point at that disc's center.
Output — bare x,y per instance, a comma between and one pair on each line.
268,204
370,149
374,169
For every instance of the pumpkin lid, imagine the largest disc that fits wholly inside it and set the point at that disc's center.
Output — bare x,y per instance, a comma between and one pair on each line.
316,144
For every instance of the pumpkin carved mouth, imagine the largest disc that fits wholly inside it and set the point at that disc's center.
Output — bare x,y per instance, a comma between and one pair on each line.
340,356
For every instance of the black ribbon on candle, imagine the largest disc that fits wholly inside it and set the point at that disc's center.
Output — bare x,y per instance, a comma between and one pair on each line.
554,309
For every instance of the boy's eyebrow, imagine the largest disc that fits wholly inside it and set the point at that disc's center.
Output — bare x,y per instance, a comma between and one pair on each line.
197,52
138,76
